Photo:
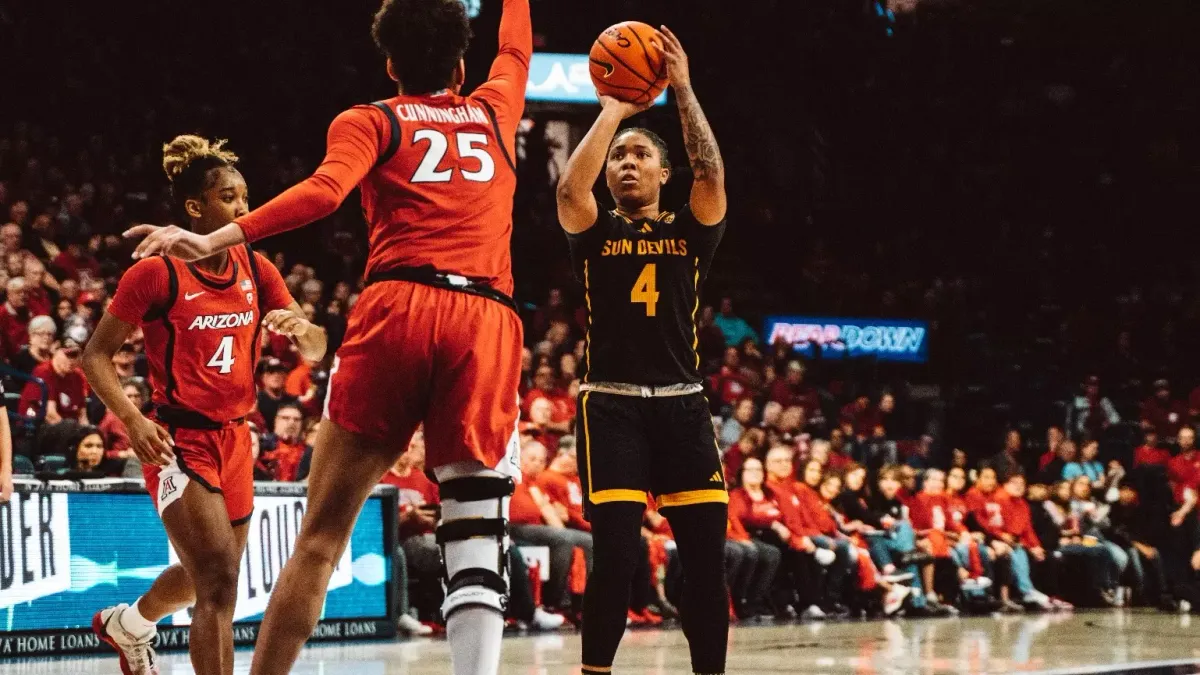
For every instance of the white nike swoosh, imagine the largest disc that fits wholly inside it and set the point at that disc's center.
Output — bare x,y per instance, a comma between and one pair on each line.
193,296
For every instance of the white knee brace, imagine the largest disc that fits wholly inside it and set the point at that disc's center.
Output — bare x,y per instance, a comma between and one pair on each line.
473,536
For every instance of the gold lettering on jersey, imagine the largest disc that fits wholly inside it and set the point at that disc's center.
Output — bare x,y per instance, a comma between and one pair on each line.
419,112
645,247
220,321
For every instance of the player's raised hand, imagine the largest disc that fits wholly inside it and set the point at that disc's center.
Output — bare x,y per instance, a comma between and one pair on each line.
151,443
171,240
624,108
286,322
677,60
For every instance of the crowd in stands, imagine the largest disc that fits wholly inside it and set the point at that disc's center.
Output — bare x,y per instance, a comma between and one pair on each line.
1044,456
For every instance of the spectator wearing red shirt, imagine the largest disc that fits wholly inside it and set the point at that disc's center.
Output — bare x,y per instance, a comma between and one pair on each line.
116,436
284,453
1054,436
861,416
1165,414
418,516
67,390
74,262
1010,528
1183,470
1150,453
728,384
792,390
37,298
562,407
14,319
560,482
535,520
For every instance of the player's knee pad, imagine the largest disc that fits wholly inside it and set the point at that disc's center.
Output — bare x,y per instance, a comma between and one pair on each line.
473,536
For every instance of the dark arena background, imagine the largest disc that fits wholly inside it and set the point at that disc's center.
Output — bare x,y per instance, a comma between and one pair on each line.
961,239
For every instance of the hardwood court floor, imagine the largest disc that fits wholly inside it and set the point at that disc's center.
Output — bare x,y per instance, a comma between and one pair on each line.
1085,642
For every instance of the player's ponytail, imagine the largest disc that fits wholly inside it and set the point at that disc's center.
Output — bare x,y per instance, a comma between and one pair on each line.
187,160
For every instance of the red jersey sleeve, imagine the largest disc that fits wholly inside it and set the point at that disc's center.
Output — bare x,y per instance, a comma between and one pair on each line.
504,90
272,287
144,286
352,146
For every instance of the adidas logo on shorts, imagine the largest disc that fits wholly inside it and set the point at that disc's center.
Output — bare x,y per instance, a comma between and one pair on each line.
716,478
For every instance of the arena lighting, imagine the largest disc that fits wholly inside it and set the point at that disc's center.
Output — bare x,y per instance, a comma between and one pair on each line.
564,78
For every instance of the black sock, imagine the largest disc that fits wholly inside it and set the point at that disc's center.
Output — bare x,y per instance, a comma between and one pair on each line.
616,529
704,608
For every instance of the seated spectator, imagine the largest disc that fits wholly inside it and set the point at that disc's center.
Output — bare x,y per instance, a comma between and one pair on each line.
728,384
125,361
541,417
1164,413
937,516
535,521
116,436
74,262
40,348
1008,528
1068,559
741,420
1091,518
1053,470
792,390
749,445
770,517
750,566
791,428
65,384
1183,470
418,516
1089,413
733,327
85,455
284,452
1008,460
272,394
1087,465
560,483
892,543
1141,531
1054,436
14,319
861,416
1150,452
37,287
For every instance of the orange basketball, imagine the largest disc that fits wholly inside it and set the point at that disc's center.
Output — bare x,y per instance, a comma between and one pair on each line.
627,64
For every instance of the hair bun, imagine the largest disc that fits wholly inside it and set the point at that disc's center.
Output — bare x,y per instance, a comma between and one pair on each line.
186,148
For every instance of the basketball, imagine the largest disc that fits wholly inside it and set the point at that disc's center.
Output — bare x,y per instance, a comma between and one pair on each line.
626,63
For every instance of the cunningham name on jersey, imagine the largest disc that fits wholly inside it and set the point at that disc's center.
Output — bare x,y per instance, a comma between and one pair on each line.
218,321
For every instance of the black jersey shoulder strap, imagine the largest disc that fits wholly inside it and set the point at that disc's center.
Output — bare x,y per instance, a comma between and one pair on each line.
394,138
160,311
491,112
164,314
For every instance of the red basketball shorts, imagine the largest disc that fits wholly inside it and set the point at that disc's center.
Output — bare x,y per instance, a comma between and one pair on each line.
415,353
221,461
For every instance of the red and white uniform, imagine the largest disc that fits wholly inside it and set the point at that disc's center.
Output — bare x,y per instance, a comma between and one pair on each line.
443,200
202,346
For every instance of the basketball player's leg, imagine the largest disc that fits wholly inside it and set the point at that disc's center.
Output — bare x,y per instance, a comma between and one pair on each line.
345,467
192,503
174,590
472,445
210,553
689,487
614,470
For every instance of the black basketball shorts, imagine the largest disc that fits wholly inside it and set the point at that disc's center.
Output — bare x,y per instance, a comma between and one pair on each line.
666,446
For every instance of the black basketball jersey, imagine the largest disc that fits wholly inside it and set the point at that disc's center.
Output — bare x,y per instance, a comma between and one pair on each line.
642,281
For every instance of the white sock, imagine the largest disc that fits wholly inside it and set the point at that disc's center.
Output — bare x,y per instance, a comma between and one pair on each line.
474,635
134,623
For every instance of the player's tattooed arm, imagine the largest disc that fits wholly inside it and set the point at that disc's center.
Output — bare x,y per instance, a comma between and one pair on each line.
708,169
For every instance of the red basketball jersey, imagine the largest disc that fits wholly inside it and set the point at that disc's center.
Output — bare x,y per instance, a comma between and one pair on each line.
202,332
435,171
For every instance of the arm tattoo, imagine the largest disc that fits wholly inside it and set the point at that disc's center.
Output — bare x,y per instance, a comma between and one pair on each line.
703,154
